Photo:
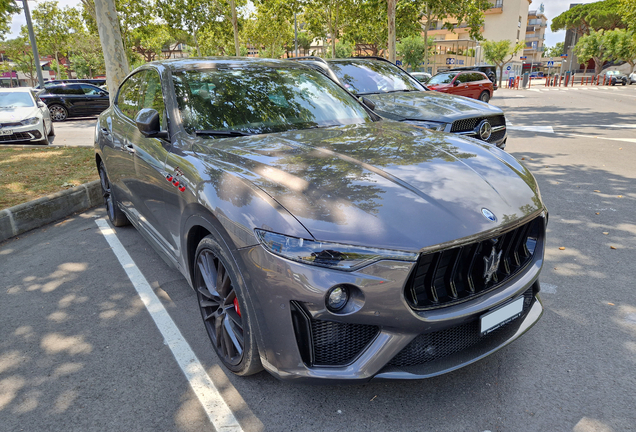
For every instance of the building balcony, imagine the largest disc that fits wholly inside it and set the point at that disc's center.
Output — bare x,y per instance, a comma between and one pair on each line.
496,8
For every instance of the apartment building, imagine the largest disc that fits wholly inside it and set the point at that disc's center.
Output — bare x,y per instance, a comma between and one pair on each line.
535,35
505,20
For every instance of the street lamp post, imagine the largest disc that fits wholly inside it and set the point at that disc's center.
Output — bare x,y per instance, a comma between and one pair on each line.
36,56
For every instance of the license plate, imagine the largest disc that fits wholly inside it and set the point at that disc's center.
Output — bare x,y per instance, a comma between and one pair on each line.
502,316
6,132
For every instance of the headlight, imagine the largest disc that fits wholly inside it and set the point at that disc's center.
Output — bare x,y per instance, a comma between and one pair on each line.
30,121
325,254
427,124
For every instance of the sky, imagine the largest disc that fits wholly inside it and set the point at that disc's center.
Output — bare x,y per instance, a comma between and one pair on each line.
552,9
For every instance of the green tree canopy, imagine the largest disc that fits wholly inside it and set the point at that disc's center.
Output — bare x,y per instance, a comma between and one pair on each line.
7,9
621,45
501,52
55,28
556,51
413,50
584,18
593,46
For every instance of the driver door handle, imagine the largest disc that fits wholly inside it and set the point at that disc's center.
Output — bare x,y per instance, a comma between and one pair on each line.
129,148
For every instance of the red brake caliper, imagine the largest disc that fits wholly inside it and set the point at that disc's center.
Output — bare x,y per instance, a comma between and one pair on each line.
236,306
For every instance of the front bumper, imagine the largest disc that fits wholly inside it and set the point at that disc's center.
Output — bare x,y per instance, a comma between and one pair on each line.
29,133
276,286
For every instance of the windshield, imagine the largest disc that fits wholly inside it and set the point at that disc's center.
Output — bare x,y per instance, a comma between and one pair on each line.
262,100
16,100
442,78
363,77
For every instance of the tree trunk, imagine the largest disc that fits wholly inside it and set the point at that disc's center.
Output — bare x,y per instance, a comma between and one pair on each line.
391,14
112,44
57,62
237,47
196,43
598,65
428,21
500,75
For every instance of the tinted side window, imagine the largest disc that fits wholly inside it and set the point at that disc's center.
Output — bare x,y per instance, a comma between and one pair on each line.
477,77
128,98
90,90
73,89
152,96
463,78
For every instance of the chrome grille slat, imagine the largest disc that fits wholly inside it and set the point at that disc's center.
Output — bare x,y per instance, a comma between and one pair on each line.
458,274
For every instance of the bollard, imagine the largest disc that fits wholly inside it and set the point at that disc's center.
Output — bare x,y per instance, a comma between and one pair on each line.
604,77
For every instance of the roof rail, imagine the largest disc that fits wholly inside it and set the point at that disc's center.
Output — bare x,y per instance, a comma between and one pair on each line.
374,58
320,59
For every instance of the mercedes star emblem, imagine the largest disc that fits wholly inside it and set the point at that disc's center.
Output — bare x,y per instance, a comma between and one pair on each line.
485,130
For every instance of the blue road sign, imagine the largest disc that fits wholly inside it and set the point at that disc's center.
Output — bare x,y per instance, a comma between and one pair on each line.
550,63
509,67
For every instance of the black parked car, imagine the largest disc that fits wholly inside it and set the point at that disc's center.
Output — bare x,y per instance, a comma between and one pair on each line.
74,100
396,95
322,241
97,82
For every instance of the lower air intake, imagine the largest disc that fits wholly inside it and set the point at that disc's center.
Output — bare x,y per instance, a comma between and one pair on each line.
329,343
429,347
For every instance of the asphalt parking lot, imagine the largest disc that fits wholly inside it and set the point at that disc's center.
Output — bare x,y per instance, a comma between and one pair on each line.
80,351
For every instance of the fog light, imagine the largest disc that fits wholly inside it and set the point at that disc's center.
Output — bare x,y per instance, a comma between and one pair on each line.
337,298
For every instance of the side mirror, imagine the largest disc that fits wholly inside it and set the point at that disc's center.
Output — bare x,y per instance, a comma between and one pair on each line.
367,103
147,121
455,83
41,104
103,93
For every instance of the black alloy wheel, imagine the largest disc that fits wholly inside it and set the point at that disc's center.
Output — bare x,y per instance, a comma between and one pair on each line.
58,112
224,315
116,216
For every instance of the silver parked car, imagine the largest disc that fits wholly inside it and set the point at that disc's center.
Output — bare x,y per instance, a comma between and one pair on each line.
323,242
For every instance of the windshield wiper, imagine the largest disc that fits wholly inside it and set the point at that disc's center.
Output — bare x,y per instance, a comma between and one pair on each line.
222,133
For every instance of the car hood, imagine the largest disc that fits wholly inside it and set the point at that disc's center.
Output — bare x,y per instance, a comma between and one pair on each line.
429,105
383,184
12,115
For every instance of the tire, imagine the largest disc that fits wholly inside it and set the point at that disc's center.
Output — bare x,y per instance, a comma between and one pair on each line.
45,139
58,112
52,131
484,96
229,327
116,216
624,82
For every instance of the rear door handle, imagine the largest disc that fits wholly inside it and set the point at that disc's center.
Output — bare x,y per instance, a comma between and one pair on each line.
129,148
105,131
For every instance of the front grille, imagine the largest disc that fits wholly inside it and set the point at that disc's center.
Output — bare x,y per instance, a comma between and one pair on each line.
11,124
328,343
496,136
462,273
21,136
429,347
469,124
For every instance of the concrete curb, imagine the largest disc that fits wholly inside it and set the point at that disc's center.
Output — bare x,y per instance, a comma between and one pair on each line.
33,214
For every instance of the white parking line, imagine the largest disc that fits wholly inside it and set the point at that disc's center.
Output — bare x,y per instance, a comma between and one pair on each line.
215,407
542,129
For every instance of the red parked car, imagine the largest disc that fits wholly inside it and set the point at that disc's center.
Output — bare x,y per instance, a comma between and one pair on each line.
470,84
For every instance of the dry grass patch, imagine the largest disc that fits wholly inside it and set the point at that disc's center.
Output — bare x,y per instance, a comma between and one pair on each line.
27,174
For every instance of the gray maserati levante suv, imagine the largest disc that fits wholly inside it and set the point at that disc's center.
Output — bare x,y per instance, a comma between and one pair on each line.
323,242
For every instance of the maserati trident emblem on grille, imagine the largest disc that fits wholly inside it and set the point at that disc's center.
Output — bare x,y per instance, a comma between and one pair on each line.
488,214
491,265
485,130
